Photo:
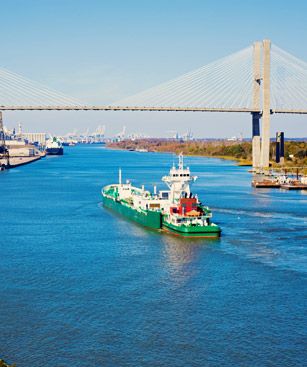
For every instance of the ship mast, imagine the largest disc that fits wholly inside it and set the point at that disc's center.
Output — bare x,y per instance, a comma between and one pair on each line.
120,176
179,180
180,158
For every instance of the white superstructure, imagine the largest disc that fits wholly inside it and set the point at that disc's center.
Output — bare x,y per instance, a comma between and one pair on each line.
53,143
179,180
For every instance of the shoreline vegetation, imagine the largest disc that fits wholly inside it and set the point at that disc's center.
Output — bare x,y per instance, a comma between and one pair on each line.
4,364
239,151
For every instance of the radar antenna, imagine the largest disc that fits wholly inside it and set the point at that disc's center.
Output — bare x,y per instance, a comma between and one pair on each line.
180,164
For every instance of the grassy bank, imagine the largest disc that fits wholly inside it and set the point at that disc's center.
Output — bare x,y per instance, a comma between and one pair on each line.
4,364
295,151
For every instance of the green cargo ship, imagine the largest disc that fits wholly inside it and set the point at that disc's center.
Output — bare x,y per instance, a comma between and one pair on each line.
176,210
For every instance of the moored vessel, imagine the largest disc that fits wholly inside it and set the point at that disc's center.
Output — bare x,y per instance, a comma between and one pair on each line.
175,210
54,147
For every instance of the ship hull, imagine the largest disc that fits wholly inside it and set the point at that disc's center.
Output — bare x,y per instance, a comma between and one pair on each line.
210,231
54,151
153,219
150,219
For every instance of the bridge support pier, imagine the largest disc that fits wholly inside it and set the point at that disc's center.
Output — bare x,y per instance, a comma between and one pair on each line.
256,105
266,114
256,148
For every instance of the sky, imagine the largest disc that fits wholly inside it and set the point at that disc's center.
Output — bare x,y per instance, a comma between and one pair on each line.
100,51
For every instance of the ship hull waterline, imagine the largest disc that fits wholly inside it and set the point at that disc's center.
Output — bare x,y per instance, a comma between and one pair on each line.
193,232
54,151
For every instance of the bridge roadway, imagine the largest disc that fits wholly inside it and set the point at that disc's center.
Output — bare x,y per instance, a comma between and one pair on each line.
144,108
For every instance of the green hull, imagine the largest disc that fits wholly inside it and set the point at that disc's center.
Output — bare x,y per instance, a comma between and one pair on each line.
210,231
154,219
148,218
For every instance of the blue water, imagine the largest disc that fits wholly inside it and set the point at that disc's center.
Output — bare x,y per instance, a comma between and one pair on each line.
82,286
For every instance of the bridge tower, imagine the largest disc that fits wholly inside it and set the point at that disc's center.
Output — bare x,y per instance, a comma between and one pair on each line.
266,108
261,77
256,105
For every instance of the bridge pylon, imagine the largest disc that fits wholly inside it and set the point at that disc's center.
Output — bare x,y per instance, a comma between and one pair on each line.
256,105
266,105
261,77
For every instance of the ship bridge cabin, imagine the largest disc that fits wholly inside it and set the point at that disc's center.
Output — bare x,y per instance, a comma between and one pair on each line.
179,180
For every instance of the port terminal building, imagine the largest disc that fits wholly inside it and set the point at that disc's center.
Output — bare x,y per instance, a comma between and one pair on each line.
35,138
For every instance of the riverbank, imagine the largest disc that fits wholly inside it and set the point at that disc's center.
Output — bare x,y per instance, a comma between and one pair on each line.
18,161
4,364
228,151
241,152
21,161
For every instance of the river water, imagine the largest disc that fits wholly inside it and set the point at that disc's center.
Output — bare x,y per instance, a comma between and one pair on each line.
82,286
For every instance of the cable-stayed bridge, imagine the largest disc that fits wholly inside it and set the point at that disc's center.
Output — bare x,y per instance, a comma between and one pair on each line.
261,79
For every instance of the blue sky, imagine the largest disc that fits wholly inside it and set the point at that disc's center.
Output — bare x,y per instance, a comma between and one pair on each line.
101,51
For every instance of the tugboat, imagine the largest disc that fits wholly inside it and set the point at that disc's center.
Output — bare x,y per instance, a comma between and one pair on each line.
176,210
54,147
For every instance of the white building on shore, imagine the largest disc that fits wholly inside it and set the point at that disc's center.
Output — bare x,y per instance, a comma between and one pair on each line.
35,137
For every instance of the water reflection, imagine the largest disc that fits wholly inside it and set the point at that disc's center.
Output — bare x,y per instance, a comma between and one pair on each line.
182,255
262,197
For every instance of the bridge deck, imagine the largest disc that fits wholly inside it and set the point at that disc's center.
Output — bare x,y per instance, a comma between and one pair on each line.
143,108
